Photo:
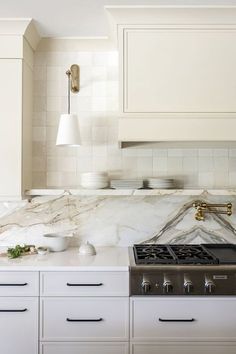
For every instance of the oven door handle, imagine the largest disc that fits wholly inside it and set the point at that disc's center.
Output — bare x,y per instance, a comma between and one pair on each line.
176,320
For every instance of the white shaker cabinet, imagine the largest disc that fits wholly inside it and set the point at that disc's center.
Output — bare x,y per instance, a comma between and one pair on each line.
207,325
19,308
184,348
177,73
19,325
16,92
90,309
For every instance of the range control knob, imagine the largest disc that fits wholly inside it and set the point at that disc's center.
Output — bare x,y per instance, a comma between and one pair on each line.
188,287
209,286
146,286
167,286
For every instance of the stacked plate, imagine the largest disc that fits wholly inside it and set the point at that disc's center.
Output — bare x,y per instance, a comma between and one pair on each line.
94,180
126,183
160,183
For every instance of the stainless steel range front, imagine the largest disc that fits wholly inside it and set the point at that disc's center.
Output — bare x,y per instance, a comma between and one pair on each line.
208,269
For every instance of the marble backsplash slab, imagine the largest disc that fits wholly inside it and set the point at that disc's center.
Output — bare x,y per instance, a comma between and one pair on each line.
115,221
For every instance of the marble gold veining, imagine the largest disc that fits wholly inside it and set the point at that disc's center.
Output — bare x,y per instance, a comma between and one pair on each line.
116,220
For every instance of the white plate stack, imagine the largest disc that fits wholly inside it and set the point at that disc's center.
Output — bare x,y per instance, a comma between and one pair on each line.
126,183
160,183
94,180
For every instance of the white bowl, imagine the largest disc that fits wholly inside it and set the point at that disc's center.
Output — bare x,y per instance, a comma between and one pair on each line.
94,185
56,242
92,174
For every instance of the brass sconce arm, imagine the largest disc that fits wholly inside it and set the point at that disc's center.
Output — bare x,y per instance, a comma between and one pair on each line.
202,208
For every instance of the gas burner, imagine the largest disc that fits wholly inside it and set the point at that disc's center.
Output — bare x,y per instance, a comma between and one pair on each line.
173,254
174,269
153,254
192,254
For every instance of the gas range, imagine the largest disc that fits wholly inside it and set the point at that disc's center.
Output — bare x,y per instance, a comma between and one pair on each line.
206,269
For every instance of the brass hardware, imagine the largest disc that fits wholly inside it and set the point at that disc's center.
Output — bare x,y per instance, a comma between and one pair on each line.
73,75
203,208
75,78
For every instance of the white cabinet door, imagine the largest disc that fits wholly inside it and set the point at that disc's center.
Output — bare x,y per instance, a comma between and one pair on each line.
84,348
19,325
84,318
183,348
179,70
19,283
183,319
10,127
85,283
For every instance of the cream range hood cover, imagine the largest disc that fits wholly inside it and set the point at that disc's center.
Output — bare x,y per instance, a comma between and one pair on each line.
177,73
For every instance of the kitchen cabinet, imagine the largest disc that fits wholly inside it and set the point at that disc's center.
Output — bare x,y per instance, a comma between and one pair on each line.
84,319
213,319
177,73
74,283
16,92
91,310
19,304
179,70
186,348
209,326
84,348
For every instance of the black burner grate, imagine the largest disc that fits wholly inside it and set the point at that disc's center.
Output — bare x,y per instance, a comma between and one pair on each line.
192,254
153,254
173,254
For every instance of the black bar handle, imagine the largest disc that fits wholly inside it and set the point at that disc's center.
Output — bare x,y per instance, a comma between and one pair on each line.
20,284
79,284
176,320
22,310
84,320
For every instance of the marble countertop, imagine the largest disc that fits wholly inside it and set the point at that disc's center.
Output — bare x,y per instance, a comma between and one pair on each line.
106,259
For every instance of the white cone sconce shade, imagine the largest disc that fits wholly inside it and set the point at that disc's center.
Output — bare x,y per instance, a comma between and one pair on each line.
68,131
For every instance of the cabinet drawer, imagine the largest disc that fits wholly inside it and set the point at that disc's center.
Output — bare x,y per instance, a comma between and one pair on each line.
19,325
85,284
184,348
84,348
183,319
77,319
19,283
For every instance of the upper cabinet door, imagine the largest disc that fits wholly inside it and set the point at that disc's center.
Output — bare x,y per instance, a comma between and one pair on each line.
10,127
178,70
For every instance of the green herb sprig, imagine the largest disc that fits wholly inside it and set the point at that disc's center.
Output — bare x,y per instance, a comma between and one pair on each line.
18,251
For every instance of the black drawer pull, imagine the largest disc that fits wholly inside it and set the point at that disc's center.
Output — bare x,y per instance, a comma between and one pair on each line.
20,284
176,320
75,284
84,320
22,310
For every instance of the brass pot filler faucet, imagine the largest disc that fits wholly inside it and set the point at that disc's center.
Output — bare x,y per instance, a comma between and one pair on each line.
202,208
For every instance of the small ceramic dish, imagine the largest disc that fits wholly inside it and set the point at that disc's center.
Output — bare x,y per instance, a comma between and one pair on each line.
42,250
87,249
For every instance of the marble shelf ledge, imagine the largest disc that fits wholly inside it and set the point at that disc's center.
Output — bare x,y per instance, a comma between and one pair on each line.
127,192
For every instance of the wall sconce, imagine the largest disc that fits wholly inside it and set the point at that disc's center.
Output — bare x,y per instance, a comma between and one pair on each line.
68,130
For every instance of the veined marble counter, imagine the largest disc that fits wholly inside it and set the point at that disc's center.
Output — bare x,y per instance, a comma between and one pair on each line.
106,259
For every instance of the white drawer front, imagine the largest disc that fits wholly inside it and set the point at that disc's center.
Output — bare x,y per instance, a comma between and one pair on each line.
19,325
213,318
19,283
73,319
84,348
85,283
183,348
